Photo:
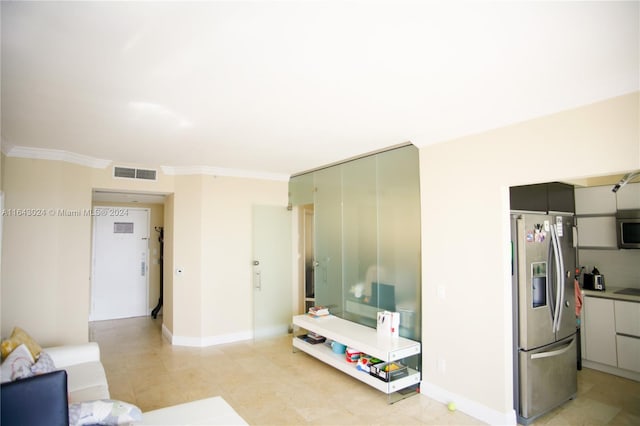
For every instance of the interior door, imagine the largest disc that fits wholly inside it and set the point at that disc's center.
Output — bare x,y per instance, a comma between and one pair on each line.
120,263
272,271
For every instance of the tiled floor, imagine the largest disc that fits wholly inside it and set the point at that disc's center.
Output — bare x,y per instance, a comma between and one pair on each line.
603,399
268,384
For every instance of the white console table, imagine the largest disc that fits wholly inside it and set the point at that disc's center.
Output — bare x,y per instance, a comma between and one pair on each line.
362,338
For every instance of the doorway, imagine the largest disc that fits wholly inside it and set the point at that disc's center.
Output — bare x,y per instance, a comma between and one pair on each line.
308,257
120,278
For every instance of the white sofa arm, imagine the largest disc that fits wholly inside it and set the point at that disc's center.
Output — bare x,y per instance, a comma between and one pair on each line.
64,356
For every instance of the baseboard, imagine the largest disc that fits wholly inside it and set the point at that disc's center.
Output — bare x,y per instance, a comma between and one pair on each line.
202,342
279,330
631,375
166,333
468,406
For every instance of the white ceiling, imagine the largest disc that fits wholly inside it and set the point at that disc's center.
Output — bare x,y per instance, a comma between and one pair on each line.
283,87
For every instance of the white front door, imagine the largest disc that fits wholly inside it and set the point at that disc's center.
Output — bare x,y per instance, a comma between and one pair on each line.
120,263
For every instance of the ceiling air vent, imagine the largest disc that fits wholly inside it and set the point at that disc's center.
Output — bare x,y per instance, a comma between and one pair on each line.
145,174
131,173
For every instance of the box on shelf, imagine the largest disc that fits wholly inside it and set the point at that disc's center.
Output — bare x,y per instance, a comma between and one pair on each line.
353,355
388,323
388,371
312,338
319,311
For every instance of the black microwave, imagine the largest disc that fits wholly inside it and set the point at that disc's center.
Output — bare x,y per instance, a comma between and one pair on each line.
628,229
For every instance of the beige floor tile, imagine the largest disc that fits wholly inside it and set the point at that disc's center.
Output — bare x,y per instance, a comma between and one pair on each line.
268,383
584,411
625,419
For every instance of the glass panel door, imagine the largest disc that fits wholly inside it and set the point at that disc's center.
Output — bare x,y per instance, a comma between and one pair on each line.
272,286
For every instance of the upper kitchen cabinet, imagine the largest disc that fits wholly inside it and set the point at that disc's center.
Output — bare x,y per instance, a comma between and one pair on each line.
596,208
628,197
543,197
596,221
595,200
601,200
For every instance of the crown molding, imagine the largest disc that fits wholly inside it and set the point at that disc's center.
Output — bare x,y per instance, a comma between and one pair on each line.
57,155
97,163
221,171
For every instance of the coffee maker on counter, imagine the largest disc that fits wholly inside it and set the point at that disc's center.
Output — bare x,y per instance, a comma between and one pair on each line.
593,281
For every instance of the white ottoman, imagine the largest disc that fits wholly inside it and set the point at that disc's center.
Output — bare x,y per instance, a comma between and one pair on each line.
209,411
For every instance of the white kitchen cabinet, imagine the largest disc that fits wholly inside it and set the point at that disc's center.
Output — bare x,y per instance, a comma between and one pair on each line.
628,352
597,232
600,331
628,197
611,330
628,334
627,318
595,200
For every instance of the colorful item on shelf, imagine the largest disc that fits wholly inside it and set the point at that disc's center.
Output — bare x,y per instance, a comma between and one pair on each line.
388,371
353,355
338,347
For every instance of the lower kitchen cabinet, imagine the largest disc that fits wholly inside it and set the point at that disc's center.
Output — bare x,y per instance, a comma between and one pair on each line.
611,331
627,318
628,352
628,334
600,331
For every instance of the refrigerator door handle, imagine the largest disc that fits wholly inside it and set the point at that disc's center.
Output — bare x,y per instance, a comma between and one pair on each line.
553,353
522,276
558,280
550,285
561,282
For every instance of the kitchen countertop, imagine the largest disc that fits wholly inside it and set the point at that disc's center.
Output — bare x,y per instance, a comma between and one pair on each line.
610,294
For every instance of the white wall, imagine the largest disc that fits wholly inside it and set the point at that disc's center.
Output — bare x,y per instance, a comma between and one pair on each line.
227,311
467,324
46,259
46,253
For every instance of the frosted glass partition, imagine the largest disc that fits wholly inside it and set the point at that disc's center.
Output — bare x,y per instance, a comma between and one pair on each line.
399,234
301,189
367,237
328,238
360,237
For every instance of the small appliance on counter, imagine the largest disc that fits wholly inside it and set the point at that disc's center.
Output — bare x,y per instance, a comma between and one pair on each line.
593,281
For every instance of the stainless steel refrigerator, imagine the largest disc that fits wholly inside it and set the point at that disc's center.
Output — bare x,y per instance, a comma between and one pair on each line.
543,268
